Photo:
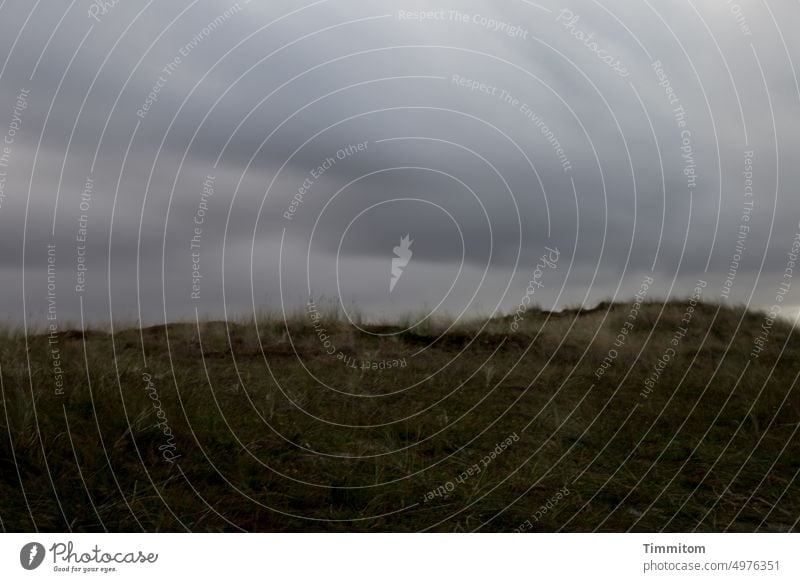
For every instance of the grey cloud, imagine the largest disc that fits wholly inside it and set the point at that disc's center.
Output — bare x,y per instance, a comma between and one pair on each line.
575,108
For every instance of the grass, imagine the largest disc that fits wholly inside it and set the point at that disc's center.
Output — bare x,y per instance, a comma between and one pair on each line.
270,433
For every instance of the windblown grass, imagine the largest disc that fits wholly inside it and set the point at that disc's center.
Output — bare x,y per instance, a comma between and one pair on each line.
276,435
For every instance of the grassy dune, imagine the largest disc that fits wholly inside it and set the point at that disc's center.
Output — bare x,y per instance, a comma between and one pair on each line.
232,427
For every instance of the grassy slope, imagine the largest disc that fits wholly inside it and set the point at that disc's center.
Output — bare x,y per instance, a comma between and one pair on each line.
702,451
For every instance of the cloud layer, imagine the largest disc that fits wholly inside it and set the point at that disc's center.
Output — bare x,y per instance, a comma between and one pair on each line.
242,155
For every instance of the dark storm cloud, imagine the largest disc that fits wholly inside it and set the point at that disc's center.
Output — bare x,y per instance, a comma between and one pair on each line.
490,115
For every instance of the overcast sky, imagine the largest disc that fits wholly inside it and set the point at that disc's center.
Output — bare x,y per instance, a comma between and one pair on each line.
617,133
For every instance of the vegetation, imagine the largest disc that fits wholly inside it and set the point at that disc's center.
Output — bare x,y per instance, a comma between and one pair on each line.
559,426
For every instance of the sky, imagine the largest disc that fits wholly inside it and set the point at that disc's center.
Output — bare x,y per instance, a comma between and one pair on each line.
162,161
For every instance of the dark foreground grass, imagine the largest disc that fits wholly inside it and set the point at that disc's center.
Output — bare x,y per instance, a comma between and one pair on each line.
243,427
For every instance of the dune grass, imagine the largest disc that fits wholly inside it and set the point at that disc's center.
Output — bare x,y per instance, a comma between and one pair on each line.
251,425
